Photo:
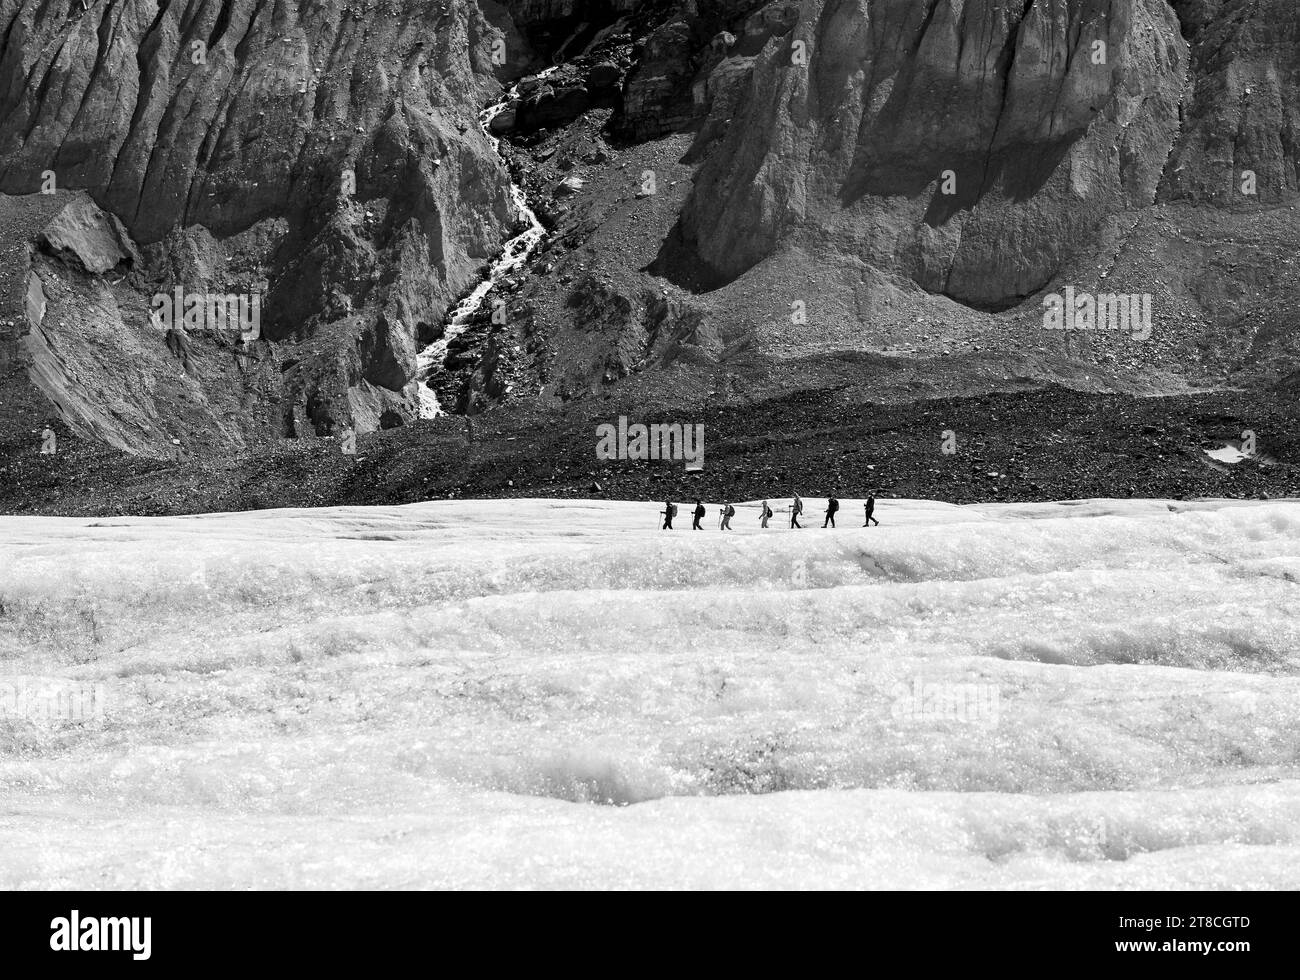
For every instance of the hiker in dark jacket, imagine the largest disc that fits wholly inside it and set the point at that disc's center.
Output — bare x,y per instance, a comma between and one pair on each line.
796,508
832,505
669,512
699,516
870,507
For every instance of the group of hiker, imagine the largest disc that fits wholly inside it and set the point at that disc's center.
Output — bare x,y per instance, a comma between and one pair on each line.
728,511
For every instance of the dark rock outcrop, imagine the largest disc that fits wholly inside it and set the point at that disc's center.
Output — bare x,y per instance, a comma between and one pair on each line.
665,91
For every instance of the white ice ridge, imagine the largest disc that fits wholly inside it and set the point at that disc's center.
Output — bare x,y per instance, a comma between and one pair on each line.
1085,694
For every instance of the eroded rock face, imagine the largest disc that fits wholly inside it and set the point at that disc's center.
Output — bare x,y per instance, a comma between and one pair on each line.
854,124
928,171
1042,133
1243,108
234,111
327,153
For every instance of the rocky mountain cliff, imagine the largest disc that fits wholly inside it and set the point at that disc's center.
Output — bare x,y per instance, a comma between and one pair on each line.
1049,117
736,191
969,147
324,156
911,178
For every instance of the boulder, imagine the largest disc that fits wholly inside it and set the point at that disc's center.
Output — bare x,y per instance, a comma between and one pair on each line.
569,186
505,120
97,240
551,108
603,76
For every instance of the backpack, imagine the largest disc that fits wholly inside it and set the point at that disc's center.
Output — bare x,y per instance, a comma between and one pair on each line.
672,510
731,511
832,505
767,511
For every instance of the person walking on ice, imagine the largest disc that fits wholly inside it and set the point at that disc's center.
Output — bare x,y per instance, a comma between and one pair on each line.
766,515
832,505
796,508
728,512
670,511
870,507
699,516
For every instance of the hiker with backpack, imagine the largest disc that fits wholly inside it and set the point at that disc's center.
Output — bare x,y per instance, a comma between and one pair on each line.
796,508
832,505
767,514
728,512
870,507
670,511
699,516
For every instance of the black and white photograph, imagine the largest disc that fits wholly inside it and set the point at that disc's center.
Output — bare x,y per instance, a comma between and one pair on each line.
641,446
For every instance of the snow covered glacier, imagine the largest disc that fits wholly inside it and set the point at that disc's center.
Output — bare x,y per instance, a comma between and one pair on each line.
557,694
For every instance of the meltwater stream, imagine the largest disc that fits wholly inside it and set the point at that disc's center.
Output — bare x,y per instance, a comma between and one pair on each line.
513,255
